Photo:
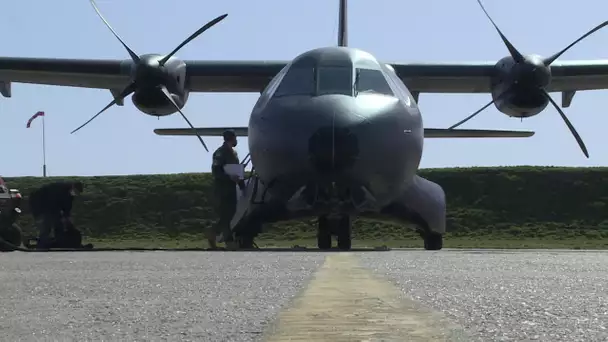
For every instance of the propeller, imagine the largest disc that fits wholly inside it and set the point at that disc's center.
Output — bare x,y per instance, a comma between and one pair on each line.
534,73
168,96
134,84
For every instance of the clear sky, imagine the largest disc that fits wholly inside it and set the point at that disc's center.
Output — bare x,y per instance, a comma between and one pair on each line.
121,141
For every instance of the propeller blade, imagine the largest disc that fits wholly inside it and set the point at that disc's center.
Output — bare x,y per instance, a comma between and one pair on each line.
517,56
552,59
580,142
133,55
192,36
168,96
126,92
471,116
479,111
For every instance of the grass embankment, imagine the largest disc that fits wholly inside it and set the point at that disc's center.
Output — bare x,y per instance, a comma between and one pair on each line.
515,207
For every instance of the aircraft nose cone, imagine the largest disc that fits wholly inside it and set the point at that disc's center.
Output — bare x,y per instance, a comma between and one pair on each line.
333,149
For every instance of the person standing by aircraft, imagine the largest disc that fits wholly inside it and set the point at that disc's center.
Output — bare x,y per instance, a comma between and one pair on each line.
51,205
224,189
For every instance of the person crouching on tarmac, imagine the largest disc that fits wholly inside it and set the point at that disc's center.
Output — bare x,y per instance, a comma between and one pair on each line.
224,190
51,205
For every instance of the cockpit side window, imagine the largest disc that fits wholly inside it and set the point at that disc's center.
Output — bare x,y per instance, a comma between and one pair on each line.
335,80
274,83
268,92
372,81
297,81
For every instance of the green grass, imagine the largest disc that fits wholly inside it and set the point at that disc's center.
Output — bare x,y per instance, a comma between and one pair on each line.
514,207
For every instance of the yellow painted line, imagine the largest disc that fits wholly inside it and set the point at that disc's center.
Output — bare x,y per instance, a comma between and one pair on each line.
346,302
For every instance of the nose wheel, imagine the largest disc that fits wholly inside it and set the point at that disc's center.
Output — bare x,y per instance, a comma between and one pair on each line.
433,241
341,227
324,233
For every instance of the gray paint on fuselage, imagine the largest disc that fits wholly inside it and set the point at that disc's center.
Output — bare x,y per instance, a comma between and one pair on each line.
388,128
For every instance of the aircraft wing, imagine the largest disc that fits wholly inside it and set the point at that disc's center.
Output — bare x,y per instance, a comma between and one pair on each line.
85,73
474,77
253,76
471,77
428,132
114,75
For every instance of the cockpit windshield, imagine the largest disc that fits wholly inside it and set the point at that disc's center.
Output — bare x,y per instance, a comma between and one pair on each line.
371,81
335,80
297,81
316,81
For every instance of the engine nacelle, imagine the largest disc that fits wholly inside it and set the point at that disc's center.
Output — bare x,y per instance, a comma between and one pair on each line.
153,102
523,84
150,76
519,103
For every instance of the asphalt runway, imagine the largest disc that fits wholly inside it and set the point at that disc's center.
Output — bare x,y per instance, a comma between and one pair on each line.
413,295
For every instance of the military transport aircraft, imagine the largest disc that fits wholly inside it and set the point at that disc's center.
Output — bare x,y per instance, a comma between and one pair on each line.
335,133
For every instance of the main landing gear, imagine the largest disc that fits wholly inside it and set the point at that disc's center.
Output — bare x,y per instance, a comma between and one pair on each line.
245,242
341,227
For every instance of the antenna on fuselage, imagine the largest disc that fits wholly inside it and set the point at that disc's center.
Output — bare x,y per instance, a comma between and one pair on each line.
342,22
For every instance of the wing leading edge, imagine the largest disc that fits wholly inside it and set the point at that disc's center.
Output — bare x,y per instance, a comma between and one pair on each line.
428,132
253,76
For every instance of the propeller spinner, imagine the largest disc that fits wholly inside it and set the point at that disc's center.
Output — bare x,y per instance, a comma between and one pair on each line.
534,74
144,68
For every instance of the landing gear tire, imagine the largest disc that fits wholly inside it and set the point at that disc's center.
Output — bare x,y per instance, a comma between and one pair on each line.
324,240
323,234
433,242
245,242
344,234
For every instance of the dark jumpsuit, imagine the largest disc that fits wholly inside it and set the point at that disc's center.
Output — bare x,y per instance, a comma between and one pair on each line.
49,204
224,189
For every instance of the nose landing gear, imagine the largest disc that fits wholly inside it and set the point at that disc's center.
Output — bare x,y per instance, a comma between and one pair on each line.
340,226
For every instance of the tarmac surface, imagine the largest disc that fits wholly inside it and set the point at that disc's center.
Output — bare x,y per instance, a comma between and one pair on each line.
399,295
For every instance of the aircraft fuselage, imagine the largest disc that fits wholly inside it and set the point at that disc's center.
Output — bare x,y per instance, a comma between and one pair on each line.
336,130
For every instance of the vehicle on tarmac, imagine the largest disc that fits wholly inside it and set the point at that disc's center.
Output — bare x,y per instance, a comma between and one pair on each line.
10,211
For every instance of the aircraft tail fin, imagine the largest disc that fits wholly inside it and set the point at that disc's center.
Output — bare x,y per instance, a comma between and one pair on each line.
428,132
342,24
